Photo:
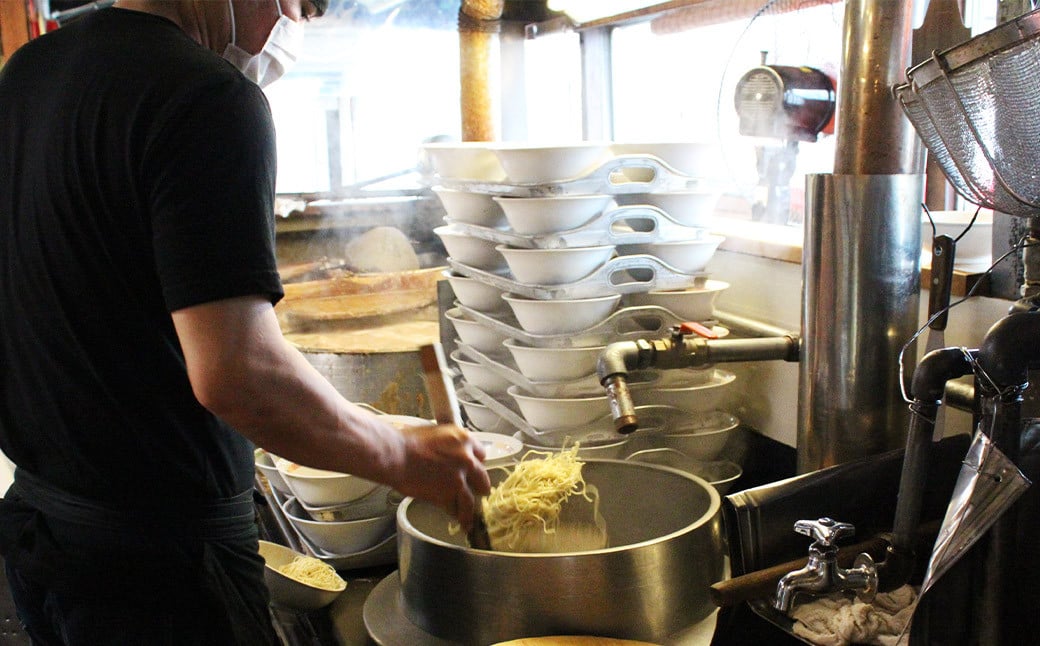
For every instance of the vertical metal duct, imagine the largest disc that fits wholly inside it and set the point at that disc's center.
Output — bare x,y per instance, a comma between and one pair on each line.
861,253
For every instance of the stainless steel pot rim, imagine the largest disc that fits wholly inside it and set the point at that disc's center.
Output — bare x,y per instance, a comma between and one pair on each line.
404,526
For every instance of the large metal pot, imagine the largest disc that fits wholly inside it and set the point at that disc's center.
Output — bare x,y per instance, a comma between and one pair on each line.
378,366
650,582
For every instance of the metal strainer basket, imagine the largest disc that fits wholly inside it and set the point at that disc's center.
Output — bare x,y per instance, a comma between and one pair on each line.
976,107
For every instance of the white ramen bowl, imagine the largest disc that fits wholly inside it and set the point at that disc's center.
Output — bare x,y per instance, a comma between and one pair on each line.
545,164
321,488
499,449
286,591
265,464
470,250
381,501
692,158
699,397
691,304
552,214
688,256
561,316
720,474
469,207
702,444
474,333
478,414
464,161
695,208
614,449
554,266
476,294
553,364
481,376
550,413
340,537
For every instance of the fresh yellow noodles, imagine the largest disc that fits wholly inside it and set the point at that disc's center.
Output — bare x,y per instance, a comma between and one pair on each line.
527,504
309,570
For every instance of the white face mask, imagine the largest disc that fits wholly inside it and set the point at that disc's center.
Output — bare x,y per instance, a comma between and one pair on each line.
278,55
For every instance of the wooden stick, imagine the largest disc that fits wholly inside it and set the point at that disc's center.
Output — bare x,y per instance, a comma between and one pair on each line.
438,385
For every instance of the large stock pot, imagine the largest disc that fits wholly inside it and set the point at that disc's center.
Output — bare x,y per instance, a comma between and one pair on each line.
363,333
651,581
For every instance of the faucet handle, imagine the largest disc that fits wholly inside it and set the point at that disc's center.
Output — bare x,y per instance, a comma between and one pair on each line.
824,531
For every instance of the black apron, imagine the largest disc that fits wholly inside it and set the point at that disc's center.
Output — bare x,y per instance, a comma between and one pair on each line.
202,556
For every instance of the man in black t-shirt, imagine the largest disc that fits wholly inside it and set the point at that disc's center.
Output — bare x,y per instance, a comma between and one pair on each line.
142,359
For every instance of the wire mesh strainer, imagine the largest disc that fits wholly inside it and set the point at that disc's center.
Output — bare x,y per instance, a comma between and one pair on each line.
976,107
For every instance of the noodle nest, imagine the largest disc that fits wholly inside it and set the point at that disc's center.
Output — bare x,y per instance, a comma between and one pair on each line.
313,572
526,506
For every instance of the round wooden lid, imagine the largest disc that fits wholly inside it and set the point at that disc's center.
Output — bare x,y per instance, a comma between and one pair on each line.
397,337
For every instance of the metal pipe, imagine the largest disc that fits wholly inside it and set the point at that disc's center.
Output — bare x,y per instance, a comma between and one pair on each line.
748,327
960,395
999,612
679,351
861,293
927,388
872,135
1008,351
861,253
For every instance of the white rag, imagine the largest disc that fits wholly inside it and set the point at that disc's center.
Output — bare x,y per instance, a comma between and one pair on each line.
834,621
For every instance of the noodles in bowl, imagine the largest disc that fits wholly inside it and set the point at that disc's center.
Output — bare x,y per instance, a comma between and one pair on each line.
298,581
310,571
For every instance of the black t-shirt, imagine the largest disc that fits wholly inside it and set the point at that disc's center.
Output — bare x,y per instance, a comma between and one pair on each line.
137,175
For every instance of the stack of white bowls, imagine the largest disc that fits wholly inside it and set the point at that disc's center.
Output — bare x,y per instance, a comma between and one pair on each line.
470,199
338,513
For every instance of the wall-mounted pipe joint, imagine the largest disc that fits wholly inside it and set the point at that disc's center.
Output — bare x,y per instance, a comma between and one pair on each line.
678,351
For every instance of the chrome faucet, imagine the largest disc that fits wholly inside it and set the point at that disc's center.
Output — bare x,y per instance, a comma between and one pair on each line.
822,574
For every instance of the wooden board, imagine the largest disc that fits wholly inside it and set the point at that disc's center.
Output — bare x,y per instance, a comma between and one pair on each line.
349,283
356,306
396,337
